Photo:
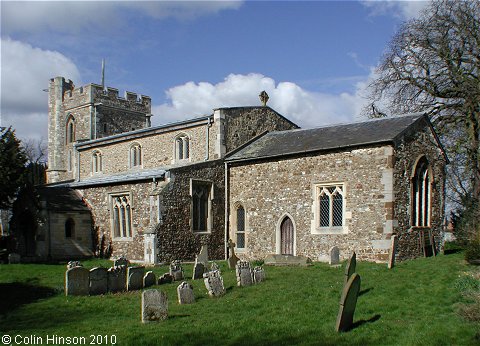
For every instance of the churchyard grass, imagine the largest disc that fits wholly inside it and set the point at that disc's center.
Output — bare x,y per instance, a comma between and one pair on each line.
415,303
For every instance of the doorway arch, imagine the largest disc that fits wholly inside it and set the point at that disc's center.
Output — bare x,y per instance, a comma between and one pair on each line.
285,235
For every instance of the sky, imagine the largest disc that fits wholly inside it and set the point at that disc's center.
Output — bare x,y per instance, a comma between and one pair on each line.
314,58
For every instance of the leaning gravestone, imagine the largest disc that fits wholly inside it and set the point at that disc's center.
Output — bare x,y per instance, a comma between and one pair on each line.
258,274
77,281
176,270
165,279
198,271
73,264
185,293
215,266
350,268
135,278
149,279
117,279
233,259
214,284
348,302
334,255
202,257
154,306
244,274
122,261
393,249
98,281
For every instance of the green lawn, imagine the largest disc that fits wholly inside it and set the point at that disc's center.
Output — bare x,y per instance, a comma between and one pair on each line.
415,303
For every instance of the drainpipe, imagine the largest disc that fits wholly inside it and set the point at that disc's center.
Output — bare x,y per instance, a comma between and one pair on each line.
226,210
207,141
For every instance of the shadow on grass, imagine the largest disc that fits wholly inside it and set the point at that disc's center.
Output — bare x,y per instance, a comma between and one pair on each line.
362,322
365,291
17,294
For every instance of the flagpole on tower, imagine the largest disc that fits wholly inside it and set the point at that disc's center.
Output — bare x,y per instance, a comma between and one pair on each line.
103,73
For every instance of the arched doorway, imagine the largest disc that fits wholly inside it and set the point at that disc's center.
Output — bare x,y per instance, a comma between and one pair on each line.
287,236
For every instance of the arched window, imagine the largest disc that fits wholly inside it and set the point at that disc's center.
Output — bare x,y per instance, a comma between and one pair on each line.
70,228
201,192
240,227
96,161
70,135
122,217
330,203
421,191
182,147
135,155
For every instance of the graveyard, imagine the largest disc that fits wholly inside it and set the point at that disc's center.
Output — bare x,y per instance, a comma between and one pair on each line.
415,302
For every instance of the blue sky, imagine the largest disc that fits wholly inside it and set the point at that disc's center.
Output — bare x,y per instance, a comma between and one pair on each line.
314,58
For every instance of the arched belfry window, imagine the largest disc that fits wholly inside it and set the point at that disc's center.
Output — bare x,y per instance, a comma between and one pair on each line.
96,161
70,228
421,192
135,155
70,135
182,147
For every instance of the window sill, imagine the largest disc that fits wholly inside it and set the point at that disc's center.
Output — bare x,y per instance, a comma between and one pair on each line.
123,239
330,230
201,232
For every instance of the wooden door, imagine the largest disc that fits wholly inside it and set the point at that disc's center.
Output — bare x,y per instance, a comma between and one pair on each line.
286,236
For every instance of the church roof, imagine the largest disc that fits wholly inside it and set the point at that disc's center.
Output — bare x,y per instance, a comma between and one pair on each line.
61,199
332,137
144,174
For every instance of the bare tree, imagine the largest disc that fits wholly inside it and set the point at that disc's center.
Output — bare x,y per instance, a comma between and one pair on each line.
432,65
35,150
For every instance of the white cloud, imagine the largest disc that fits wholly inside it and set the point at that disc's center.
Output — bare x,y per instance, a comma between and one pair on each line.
26,71
303,107
76,16
405,9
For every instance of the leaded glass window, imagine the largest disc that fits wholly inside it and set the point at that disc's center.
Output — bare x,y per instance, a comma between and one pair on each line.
240,227
330,206
122,216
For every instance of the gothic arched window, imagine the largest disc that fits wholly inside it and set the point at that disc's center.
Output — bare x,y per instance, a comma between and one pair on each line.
421,191
135,155
96,161
182,147
70,135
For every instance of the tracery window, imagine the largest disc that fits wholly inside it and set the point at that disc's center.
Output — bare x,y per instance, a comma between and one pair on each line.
329,207
122,216
421,191
182,147
201,206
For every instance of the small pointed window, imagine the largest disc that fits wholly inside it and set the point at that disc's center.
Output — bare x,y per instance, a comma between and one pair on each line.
70,136
96,161
240,227
182,148
135,155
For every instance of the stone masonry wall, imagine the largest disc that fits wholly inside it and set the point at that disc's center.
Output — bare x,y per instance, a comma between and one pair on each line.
270,190
407,153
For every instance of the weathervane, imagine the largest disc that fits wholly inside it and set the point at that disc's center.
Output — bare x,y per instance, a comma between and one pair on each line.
264,97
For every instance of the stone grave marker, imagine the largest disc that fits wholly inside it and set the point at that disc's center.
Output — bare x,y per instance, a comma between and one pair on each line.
135,278
232,259
244,274
98,281
214,284
77,281
149,279
185,293
258,274
348,302
176,270
202,257
334,257
154,306
350,268
198,271
73,264
215,266
14,258
122,261
393,249
117,279
165,279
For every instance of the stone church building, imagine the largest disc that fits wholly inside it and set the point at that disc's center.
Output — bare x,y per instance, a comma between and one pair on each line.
157,193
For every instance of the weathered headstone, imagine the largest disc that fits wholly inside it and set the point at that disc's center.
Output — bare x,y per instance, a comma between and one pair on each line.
393,249
334,257
258,274
14,258
98,281
185,293
165,279
348,302
244,274
135,278
176,270
198,271
350,268
121,261
154,306
214,284
232,259
117,279
77,281
215,266
149,279
202,257
73,264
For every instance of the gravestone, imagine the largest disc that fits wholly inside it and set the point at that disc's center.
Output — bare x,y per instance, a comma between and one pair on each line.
117,279
202,257
350,268
73,264
121,261
98,281
198,271
334,255
232,259
215,266
214,284
14,258
77,281
393,249
135,278
176,270
149,279
244,274
165,279
185,293
258,274
154,306
348,302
